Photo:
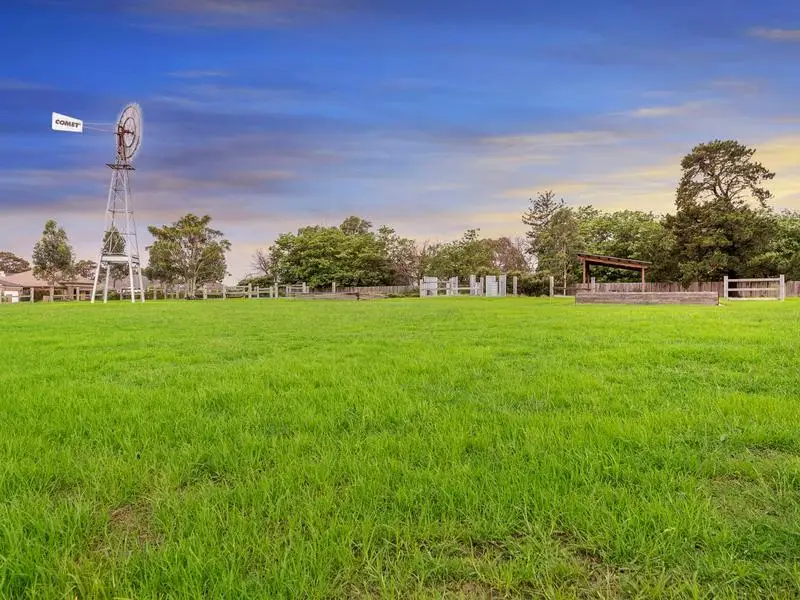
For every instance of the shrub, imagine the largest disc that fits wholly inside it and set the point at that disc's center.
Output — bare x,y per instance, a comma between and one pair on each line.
536,284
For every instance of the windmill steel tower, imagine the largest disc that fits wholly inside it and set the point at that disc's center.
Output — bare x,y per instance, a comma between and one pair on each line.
119,245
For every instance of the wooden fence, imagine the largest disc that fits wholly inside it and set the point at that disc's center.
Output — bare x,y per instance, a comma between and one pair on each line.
386,290
158,292
792,287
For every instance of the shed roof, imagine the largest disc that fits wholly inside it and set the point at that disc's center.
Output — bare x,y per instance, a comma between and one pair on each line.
613,261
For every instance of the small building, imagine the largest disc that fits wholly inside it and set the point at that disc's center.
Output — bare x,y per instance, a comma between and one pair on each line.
9,291
69,288
588,260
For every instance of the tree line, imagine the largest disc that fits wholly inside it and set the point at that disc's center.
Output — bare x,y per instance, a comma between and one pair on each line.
188,252
722,225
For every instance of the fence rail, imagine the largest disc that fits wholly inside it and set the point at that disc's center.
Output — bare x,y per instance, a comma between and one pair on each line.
379,289
749,288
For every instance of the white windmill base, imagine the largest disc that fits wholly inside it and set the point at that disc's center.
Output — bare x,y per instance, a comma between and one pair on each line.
134,275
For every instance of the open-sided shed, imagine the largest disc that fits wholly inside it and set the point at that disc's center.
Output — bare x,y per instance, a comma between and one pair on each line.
588,260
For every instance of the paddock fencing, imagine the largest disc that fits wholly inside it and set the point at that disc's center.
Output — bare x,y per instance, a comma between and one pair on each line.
302,291
792,288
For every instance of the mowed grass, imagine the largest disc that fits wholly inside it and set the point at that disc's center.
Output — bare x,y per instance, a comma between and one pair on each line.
441,448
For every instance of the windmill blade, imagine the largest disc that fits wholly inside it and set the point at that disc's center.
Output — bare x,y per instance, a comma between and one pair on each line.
65,123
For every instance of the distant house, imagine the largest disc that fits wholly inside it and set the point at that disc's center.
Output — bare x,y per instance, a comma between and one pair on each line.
70,288
9,291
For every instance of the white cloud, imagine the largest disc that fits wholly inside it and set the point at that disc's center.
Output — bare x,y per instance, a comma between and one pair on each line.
776,34
676,110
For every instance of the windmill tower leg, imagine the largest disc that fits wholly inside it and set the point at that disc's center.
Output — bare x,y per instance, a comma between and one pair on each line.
105,284
96,280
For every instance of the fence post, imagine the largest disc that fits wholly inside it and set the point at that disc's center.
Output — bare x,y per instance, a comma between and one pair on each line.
594,285
205,292
249,291
514,285
782,294
333,287
552,286
725,287
224,294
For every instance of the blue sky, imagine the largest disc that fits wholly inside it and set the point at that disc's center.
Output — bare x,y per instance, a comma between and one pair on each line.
428,115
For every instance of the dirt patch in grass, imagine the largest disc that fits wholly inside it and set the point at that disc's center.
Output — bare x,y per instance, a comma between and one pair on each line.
129,526
474,590
601,579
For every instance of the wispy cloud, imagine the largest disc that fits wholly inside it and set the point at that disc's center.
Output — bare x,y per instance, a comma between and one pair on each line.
558,139
776,35
657,112
16,85
200,74
737,86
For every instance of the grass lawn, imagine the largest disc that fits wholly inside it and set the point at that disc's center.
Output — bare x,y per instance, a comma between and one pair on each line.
441,448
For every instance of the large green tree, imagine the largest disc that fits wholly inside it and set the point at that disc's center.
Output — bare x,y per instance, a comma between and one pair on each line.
538,216
10,263
52,255
556,235
85,268
188,251
349,255
403,255
558,245
469,255
508,255
721,220
782,252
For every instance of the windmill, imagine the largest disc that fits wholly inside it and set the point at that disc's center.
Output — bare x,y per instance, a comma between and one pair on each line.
119,247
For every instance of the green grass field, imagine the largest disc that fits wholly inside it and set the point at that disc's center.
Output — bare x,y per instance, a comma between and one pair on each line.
442,448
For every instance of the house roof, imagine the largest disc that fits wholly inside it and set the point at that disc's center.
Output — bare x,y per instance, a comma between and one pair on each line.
28,279
6,284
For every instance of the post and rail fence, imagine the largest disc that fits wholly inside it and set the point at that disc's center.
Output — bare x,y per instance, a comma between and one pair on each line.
777,288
